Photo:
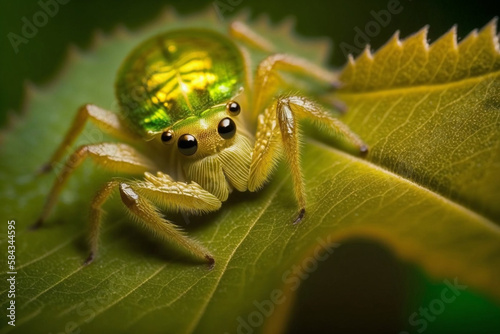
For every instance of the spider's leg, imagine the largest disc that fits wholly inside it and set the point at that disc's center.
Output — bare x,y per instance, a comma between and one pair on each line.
243,33
282,117
268,80
107,121
267,149
118,157
303,108
161,189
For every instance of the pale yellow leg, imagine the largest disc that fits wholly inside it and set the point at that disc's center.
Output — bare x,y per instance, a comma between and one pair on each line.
105,120
240,31
162,190
282,117
268,81
96,217
119,157
266,150
304,108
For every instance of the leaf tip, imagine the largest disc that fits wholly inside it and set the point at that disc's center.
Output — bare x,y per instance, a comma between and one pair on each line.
121,31
30,87
470,36
395,38
168,14
424,33
263,21
492,26
367,52
493,23
243,15
73,51
12,119
97,39
453,32
350,59
287,25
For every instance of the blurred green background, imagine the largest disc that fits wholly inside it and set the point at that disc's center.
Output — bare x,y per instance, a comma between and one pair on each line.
39,59
364,287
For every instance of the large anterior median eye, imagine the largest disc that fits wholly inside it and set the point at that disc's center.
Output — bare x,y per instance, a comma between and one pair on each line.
187,144
227,128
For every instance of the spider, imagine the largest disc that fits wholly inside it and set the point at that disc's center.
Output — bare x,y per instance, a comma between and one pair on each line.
211,125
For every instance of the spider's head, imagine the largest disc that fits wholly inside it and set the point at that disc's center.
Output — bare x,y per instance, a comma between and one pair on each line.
209,133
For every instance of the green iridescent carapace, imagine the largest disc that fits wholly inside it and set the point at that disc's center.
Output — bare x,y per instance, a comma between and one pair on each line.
175,75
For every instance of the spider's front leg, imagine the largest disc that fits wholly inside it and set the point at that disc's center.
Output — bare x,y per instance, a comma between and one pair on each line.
278,127
138,197
268,80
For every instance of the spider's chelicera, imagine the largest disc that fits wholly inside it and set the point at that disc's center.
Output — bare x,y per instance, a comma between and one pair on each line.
213,126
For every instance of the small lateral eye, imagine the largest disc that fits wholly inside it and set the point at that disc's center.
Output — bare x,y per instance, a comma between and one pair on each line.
187,144
234,108
227,128
167,136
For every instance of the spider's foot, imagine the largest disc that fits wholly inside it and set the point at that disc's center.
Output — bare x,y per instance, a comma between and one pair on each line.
363,150
332,102
36,225
339,106
44,169
300,216
334,85
89,259
211,262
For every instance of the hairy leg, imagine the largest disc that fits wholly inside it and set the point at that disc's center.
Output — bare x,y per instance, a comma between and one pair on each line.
268,80
278,127
240,31
118,157
161,189
105,120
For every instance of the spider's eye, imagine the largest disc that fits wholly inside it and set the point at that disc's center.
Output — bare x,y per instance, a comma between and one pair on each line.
167,136
227,128
234,108
187,144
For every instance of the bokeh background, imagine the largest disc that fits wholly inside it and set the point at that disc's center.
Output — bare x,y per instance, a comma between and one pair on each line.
365,289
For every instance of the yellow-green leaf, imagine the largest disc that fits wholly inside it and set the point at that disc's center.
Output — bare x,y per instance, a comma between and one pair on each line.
431,113
428,189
